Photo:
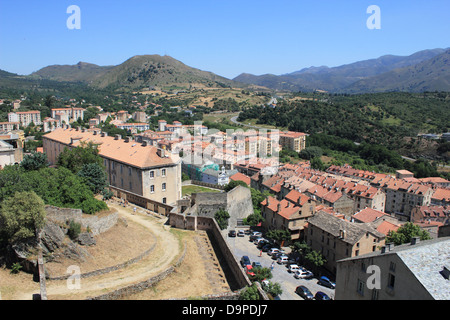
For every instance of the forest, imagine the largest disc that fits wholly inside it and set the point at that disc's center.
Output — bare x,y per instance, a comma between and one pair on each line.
387,119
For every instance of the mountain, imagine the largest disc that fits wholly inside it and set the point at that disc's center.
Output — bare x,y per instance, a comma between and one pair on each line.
82,71
135,73
155,70
428,75
337,79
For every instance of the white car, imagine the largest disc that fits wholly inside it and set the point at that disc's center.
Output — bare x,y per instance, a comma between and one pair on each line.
293,268
272,251
303,274
240,233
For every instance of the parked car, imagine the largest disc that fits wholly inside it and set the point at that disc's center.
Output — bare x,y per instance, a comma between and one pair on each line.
232,233
324,281
290,261
249,270
267,247
255,235
262,243
272,251
256,264
293,268
258,240
303,274
282,260
240,233
321,296
304,292
277,255
245,261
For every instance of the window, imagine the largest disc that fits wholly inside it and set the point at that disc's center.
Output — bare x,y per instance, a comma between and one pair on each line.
391,281
152,188
129,171
152,174
164,200
374,294
163,172
392,266
164,187
360,287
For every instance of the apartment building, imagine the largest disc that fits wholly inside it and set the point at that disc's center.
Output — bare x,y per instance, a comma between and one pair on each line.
295,141
133,167
289,214
417,270
9,126
402,197
337,239
25,118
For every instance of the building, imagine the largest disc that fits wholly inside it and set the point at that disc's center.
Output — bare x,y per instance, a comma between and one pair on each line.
6,154
415,271
25,118
295,141
133,127
402,196
9,126
68,115
289,214
133,167
337,239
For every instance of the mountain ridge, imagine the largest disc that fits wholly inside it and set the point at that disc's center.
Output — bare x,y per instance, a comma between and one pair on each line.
336,79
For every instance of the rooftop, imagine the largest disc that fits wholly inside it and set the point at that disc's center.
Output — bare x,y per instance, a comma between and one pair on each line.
131,153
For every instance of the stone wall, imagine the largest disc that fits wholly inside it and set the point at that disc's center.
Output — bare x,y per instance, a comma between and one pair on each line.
96,224
210,225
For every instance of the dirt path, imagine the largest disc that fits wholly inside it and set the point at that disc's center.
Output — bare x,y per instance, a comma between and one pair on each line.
164,255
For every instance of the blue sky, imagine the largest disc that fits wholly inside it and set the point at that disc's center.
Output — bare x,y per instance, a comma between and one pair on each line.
225,37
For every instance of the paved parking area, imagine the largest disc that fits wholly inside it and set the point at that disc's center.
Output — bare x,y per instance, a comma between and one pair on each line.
241,246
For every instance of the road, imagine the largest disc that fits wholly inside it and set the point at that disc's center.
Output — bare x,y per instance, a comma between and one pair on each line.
242,246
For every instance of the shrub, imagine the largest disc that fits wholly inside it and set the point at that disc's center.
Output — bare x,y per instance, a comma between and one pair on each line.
74,230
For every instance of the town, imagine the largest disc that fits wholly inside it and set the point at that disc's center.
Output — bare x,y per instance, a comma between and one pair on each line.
349,217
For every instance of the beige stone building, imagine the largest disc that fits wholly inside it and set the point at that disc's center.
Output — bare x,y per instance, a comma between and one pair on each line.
133,167
337,239
414,271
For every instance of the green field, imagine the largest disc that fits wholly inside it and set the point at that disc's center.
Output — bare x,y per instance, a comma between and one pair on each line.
190,189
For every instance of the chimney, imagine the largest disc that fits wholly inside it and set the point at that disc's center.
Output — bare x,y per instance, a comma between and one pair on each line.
415,240
161,153
118,137
103,134
127,139
390,246
144,143
279,207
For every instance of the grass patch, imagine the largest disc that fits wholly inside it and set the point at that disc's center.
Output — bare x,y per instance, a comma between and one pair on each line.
188,190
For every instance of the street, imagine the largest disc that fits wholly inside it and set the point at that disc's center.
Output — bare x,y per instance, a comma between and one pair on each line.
241,246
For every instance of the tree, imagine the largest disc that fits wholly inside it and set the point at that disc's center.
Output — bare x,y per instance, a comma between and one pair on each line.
261,274
250,293
405,233
34,161
22,216
74,159
254,219
233,184
222,217
316,163
316,259
278,235
274,289
94,176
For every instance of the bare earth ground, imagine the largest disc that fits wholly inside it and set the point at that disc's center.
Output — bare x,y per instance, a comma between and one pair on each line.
198,274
